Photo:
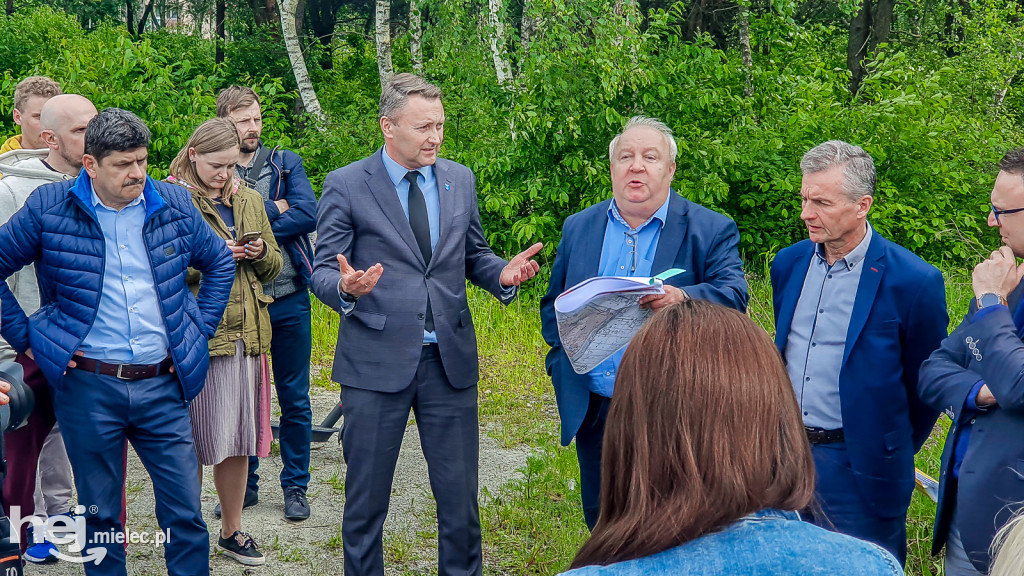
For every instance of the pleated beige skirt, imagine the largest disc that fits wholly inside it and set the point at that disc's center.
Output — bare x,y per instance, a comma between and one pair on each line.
227,419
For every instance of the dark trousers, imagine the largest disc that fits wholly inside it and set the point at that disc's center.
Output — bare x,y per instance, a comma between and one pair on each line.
589,439
97,415
375,424
291,320
23,446
844,508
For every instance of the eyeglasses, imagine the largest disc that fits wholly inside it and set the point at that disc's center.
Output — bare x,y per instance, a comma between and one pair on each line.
997,213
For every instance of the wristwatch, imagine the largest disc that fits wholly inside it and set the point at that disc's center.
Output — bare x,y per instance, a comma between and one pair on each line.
990,299
346,297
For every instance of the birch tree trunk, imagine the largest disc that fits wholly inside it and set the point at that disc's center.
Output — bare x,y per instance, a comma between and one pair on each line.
528,27
384,66
748,62
221,11
497,40
416,36
291,43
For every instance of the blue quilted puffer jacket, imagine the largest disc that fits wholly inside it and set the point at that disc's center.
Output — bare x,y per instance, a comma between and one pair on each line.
57,229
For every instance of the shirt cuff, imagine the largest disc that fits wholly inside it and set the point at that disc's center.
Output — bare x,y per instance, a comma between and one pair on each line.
972,398
507,294
346,307
987,310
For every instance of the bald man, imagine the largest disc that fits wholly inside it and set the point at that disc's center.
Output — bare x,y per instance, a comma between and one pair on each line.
39,474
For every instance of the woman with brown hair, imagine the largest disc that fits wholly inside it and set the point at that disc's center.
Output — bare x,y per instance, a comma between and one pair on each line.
705,460
231,416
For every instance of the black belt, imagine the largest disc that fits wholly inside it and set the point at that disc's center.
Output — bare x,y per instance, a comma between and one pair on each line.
822,436
124,371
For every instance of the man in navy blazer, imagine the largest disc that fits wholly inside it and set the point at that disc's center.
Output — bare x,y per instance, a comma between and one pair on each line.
855,316
398,235
645,229
977,378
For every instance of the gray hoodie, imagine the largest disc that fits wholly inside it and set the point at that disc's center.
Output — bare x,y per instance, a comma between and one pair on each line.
22,172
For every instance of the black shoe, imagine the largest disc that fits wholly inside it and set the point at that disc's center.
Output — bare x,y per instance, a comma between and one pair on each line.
252,498
241,547
296,507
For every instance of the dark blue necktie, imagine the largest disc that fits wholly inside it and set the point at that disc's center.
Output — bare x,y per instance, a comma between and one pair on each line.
420,224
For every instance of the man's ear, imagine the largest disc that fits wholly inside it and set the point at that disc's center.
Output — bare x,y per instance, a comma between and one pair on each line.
89,163
385,127
50,139
17,116
865,203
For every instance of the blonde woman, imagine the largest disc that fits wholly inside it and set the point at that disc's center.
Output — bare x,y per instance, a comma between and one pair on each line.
231,416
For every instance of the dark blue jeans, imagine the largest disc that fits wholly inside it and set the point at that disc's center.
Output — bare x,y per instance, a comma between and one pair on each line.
845,509
97,414
290,346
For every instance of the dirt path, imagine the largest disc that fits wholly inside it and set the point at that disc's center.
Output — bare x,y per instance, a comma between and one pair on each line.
314,546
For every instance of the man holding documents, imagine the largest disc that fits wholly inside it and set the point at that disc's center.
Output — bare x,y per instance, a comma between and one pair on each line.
855,317
976,377
644,230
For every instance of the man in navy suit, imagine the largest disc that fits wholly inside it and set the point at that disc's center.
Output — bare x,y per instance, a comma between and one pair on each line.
643,230
977,377
398,235
855,316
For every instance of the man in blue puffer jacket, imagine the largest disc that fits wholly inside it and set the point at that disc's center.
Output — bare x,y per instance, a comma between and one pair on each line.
119,336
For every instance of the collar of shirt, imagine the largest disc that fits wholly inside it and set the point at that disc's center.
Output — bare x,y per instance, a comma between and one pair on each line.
855,257
615,216
97,202
397,172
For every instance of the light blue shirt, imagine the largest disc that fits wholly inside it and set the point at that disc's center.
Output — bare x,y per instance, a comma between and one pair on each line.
817,336
626,251
129,327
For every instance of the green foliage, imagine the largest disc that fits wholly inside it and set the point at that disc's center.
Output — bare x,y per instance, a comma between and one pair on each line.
936,115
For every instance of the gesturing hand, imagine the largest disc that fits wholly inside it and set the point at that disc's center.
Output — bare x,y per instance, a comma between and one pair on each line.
521,268
5,387
358,282
998,275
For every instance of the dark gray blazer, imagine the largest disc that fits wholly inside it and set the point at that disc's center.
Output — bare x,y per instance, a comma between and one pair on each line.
360,216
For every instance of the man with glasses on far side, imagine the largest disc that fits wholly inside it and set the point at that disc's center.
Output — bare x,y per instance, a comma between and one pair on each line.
977,377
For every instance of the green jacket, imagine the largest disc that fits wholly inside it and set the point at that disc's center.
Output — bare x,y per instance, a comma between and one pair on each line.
246,316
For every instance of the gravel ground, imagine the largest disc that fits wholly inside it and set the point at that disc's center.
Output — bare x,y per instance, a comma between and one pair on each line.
314,546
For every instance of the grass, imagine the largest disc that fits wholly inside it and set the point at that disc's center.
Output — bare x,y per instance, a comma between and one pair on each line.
534,523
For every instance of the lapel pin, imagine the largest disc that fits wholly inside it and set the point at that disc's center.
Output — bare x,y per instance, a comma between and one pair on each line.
873,269
448,187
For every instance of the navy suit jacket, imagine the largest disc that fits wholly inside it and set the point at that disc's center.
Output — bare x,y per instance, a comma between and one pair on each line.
899,317
380,342
991,483
701,241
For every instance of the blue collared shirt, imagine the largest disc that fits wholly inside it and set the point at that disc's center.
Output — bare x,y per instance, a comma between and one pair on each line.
817,336
626,251
129,327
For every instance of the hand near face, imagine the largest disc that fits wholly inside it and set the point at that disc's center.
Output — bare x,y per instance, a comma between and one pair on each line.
997,275
671,296
358,282
521,268
5,387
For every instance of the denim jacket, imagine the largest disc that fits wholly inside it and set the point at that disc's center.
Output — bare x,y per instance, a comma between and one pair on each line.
766,542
